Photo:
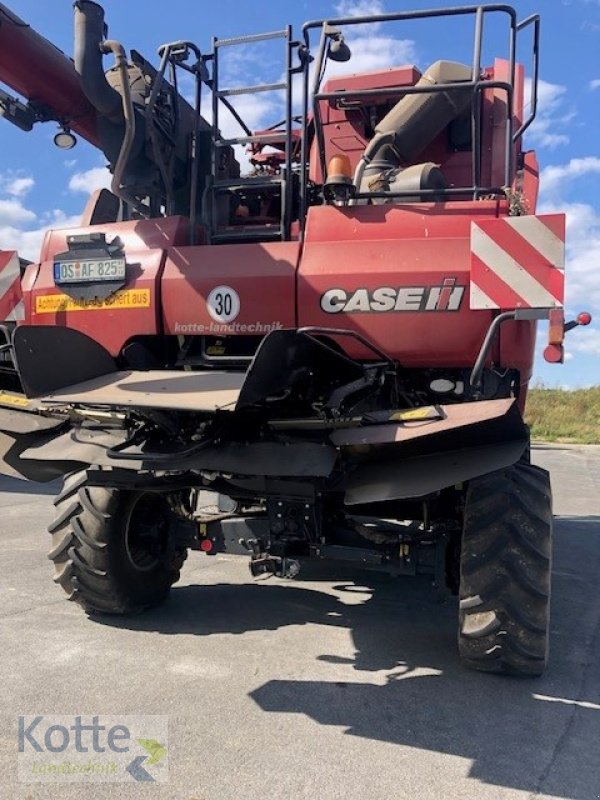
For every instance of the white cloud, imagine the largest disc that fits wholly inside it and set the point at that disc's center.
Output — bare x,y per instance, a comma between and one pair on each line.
247,65
255,114
359,8
553,116
15,184
371,48
582,243
90,180
556,178
19,187
12,212
58,219
28,243
595,84
20,228
588,342
373,52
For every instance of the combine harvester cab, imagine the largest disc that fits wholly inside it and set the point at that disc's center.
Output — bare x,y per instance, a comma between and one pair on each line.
338,345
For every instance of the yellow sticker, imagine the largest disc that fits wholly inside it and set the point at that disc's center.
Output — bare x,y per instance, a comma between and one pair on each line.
127,298
14,400
415,414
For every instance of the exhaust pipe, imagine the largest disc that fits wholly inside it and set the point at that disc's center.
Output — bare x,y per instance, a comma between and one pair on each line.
90,30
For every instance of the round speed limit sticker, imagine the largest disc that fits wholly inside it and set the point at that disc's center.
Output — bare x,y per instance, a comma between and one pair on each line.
223,304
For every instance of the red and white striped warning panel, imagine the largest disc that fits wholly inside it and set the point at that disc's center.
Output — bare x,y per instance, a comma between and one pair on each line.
11,297
518,262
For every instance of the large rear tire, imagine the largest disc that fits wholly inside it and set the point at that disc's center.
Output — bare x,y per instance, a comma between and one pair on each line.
505,567
112,550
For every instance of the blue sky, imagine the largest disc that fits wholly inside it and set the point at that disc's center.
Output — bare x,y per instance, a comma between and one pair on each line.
41,186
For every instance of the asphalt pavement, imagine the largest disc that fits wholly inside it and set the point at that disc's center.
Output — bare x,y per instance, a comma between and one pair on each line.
344,685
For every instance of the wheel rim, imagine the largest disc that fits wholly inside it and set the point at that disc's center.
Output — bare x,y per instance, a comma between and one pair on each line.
147,532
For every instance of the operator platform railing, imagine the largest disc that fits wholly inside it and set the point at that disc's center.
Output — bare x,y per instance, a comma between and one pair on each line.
311,122
476,86
223,96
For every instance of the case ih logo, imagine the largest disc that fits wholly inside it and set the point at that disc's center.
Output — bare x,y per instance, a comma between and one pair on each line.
447,297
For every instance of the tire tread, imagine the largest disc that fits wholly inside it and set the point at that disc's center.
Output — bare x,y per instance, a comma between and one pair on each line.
84,547
505,571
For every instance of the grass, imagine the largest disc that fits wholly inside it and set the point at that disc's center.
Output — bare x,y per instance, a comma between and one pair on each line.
556,415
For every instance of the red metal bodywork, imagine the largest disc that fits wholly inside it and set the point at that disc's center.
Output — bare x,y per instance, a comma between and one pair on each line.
405,246
281,284
358,247
264,276
145,244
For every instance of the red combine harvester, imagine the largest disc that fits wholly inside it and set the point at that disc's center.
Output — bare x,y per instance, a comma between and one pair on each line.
338,345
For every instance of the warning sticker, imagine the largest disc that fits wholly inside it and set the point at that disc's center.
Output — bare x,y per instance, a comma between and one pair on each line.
13,400
417,414
128,298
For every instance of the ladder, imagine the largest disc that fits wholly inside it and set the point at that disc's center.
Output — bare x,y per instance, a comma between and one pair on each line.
218,188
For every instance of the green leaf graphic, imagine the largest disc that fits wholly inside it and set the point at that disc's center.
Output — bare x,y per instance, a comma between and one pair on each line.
155,750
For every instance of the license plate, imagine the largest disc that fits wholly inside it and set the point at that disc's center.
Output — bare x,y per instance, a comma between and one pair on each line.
112,269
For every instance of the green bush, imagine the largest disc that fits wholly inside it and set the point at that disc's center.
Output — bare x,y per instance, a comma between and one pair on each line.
556,415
